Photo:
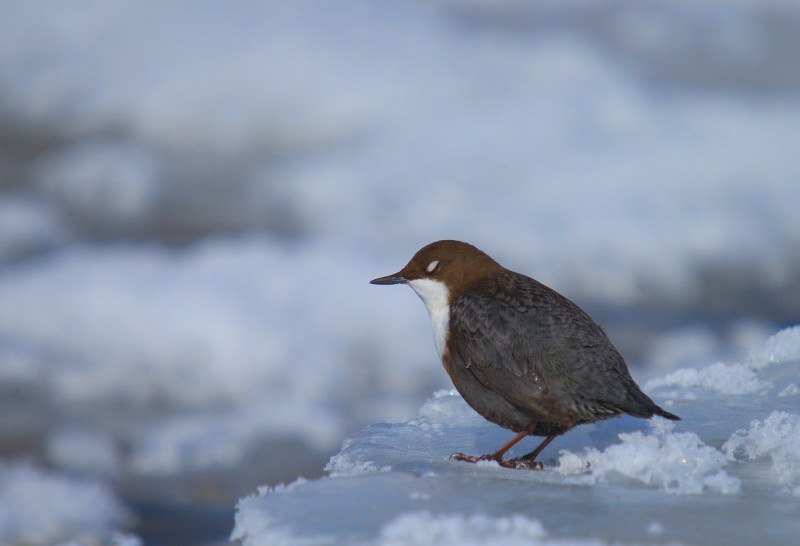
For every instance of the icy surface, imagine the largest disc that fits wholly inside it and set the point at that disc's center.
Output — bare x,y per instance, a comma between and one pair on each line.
329,144
41,508
675,462
778,437
206,329
626,480
193,197
347,123
424,528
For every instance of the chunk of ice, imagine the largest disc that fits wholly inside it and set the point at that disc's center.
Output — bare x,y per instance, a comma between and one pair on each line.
777,436
677,462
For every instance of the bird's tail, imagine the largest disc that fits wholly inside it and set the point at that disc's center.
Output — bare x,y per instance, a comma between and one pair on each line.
663,413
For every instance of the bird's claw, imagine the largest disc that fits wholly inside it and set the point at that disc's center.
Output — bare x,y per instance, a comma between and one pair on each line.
469,458
518,463
521,462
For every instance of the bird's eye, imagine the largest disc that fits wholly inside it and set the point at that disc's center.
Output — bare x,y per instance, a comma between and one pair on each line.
433,267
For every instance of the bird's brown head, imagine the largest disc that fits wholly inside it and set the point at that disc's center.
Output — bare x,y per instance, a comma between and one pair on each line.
456,265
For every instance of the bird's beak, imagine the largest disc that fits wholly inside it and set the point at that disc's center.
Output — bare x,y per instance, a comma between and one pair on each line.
397,278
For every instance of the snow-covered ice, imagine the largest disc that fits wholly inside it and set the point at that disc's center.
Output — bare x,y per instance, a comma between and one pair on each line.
40,508
225,326
626,480
364,134
349,124
193,197
776,436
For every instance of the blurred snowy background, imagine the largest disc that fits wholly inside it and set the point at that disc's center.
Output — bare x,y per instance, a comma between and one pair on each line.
193,197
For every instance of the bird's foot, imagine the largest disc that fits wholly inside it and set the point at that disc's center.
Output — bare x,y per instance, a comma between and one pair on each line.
519,462
470,458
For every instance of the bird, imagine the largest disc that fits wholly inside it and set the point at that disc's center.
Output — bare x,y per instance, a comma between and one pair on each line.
519,353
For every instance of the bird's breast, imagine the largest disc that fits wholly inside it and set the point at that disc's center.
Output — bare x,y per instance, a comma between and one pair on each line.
440,322
436,298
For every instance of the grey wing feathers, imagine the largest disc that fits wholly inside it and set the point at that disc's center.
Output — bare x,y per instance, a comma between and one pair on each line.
543,353
490,350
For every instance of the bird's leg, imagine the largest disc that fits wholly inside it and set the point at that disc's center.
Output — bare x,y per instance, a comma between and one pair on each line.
496,455
527,461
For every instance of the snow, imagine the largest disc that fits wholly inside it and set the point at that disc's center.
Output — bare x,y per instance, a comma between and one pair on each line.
631,480
777,436
83,450
678,463
779,348
27,226
219,334
114,180
194,197
41,508
723,378
424,528
369,147
410,121
770,367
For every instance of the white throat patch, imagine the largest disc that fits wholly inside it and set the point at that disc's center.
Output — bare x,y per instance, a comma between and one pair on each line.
436,298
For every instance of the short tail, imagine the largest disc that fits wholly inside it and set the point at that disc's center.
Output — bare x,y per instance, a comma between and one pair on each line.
665,414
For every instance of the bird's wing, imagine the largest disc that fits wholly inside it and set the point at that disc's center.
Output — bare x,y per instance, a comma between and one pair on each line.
502,353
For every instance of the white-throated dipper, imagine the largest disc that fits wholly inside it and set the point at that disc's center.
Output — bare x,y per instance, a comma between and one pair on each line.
519,353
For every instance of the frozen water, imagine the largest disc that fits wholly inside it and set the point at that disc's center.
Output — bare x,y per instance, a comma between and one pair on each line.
625,480
777,436
723,378
355,125
193,197
84,450
207,328
769,368
675,462
376,132
780,348
99,178
124,539
41,508
425,528
27,226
